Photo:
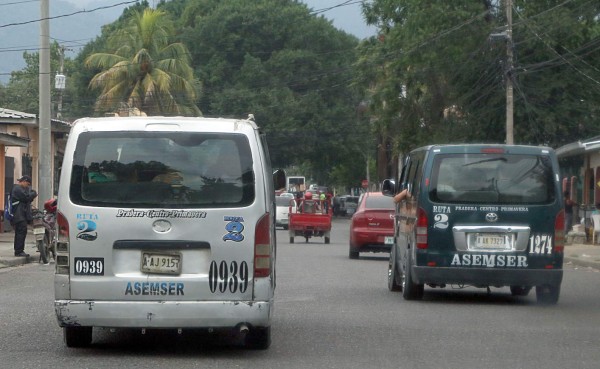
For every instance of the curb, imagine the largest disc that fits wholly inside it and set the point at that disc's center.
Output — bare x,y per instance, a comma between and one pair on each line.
582,263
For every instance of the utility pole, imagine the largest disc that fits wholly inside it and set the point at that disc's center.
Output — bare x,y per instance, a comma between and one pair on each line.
59,81
44,153
509,76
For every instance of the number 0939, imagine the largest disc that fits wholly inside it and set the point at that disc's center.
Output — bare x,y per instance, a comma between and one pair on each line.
89,266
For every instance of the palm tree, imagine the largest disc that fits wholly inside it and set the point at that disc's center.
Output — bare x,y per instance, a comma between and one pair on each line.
145,71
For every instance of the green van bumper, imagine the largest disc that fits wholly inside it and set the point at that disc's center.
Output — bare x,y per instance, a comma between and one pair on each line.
487,276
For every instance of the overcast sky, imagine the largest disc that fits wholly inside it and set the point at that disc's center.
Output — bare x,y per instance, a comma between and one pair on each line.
347,17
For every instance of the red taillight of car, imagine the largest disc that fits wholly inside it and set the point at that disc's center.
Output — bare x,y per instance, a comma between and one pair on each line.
262,247
421,229
559,232
62,244
492,150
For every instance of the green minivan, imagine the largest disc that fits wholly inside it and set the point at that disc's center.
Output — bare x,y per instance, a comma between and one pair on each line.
479,215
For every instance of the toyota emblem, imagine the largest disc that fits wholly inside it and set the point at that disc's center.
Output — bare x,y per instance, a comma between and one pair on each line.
491,217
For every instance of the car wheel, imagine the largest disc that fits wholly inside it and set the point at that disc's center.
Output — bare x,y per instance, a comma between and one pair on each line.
410,290
547,294
520,290
258,338
393,284
77,336
352,254
291,239
327,239
285,227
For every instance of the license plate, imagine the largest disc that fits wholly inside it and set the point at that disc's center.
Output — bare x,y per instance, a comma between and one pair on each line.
161,263
490,241
40,230
389,240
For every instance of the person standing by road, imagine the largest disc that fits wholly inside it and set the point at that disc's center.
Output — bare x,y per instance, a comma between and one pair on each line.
24,195
568,212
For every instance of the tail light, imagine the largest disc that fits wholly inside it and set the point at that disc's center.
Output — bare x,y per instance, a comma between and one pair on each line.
421,229
559,232
62,244
262,247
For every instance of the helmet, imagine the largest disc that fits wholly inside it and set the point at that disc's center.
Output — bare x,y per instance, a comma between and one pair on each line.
308,196
50,205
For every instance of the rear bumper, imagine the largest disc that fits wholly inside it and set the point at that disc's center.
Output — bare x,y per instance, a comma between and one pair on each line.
163,314
487,276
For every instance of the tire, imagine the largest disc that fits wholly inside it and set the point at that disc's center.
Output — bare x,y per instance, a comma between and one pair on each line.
393,284
285,227
547,294
41,246
291,239
352,254
410,290
50,249
77,336
306,239
520,290
327,239
258,338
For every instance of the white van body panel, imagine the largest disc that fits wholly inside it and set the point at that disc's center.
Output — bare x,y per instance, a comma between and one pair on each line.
215,286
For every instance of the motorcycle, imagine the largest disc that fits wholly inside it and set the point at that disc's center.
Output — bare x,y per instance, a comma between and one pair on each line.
44,231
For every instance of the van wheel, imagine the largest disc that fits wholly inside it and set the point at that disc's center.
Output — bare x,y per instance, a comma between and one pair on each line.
77,336
520,290
393,284
291,239
327,239
410,290
547,294
259,338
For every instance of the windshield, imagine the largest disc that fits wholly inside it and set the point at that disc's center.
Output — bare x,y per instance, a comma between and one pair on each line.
492,178
162,169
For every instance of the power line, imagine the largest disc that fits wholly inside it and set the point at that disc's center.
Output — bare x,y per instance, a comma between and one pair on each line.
67,15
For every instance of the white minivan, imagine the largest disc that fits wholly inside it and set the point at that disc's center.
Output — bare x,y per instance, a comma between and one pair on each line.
166,223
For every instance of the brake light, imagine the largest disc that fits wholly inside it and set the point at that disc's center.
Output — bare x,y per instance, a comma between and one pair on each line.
62,244
559,232
492,150
262,247
421,229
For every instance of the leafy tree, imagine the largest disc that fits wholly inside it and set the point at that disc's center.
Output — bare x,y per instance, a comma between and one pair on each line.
439,77
144,70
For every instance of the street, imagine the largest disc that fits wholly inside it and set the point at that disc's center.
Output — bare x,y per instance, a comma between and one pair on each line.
330,312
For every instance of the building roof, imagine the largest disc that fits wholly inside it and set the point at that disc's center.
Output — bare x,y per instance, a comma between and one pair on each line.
579,148
8,116
12,140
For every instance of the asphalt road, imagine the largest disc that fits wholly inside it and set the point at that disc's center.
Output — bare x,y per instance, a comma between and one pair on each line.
331,312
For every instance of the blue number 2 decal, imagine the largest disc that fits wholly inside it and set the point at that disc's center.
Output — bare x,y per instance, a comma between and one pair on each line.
234,230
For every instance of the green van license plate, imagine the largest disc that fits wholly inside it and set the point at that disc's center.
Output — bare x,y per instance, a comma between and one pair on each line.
161,263
490,241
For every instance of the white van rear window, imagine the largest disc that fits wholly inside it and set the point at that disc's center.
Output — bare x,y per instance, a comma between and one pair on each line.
162,169
492,179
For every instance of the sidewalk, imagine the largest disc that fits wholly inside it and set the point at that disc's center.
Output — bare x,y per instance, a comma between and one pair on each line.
582,255
7,251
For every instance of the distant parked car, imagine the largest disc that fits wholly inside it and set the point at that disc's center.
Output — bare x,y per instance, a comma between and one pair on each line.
372,226
283,209
351,205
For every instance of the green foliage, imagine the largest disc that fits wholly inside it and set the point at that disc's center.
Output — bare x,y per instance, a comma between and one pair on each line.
438,77
143,69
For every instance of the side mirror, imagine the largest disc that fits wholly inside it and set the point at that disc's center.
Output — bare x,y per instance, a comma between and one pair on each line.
388,187
279,179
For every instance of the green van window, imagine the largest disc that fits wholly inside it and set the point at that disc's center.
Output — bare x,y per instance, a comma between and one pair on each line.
492,179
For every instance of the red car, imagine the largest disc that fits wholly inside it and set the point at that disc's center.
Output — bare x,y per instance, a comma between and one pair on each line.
372,227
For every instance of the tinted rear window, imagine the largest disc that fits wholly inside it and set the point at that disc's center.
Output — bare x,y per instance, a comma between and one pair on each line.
379,202
283,200
162,169
492,179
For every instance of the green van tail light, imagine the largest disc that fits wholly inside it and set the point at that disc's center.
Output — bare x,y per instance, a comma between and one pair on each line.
421,229
492,150
559,232
62,244
262,247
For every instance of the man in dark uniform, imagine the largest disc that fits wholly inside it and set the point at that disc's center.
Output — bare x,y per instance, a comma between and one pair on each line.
22,193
